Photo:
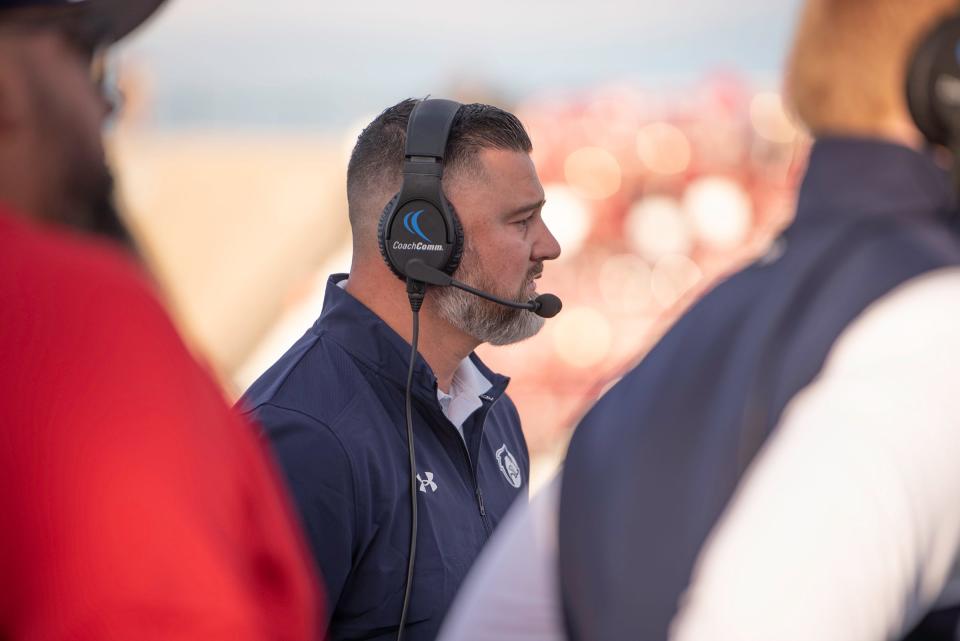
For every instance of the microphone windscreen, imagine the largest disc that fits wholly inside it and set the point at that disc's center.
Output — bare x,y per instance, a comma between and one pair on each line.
549,305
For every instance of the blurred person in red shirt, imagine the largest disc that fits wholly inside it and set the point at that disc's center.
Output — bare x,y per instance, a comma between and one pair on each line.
135,504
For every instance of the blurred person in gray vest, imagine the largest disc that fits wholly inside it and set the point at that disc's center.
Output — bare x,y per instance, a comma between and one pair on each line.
785,463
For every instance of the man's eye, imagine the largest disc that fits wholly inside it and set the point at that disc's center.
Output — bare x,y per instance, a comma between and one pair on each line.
523,222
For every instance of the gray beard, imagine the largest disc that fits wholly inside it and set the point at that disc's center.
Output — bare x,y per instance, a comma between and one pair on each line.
486,321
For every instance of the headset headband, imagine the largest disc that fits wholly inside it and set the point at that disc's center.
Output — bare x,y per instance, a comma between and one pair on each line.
427,133
428,130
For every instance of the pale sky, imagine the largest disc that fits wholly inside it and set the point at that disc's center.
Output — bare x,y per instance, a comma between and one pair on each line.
317,64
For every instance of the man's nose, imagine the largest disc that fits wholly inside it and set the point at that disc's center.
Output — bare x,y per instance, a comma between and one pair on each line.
546,247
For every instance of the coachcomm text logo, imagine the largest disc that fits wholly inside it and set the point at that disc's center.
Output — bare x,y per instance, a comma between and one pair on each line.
417,246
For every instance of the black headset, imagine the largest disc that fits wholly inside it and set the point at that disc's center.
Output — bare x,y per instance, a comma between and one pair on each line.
419,222
933,84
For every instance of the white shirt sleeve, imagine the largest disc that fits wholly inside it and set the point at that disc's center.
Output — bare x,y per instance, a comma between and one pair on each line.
847,525
512,592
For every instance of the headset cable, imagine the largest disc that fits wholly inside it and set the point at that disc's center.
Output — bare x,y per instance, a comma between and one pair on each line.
415,292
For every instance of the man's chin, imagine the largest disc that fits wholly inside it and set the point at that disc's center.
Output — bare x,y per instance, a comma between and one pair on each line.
523,326
508,325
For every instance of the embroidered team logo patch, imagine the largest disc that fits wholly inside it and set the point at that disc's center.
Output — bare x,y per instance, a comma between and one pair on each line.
508,466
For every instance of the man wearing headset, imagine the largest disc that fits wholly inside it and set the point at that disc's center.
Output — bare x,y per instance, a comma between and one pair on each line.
333,405
134,503
785,463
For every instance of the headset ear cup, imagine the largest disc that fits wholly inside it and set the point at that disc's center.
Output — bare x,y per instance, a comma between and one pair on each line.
919,92
932,77
382,235
457,254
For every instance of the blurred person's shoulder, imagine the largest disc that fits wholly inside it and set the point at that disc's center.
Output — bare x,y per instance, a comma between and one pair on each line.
94,378
79,313
45,268
915,321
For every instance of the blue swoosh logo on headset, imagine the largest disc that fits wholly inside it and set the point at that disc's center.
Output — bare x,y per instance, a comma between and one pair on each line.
411,220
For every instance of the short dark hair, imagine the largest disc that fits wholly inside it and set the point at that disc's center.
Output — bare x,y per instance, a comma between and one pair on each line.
377,158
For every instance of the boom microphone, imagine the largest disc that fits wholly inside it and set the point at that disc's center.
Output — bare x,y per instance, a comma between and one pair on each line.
545,305
548,305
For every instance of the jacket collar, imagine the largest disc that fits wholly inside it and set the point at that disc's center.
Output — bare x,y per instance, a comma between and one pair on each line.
860,176
367,338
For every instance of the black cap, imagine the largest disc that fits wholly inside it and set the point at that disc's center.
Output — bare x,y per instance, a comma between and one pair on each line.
113,19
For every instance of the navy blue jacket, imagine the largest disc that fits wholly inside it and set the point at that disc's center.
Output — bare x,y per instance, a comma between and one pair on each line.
654,463
333,408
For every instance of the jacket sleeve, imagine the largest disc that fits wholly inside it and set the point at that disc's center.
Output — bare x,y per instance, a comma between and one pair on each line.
320,479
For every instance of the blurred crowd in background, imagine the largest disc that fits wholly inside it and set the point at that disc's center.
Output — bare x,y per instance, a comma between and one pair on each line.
654,191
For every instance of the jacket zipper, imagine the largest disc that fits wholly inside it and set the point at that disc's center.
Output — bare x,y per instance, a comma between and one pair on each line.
473,473
476,483
483,511
476,488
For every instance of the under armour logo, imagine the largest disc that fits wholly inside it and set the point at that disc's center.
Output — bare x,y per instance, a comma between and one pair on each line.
427,482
